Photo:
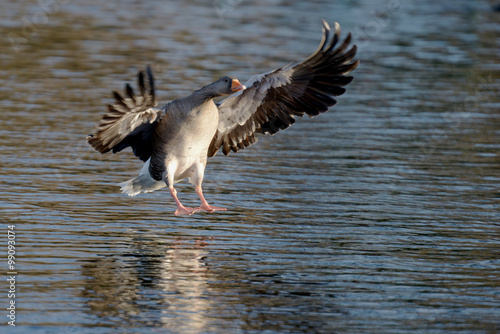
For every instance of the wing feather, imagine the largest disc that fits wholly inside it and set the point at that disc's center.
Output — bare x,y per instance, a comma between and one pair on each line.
130,121
272,100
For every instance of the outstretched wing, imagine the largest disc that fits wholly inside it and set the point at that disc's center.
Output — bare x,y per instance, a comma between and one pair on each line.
130,121
271,100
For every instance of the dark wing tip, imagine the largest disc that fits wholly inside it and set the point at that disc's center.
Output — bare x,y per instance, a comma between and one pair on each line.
117,97
151,82
149,72
140,83
130,92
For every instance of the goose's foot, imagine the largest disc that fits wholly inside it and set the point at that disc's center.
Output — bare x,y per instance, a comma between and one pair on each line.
204,205
182,210
209,208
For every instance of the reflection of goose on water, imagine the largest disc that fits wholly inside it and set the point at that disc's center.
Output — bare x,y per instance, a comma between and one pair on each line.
176,140
169,284
184,285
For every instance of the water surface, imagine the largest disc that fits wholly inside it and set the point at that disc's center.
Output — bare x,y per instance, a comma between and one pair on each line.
382,216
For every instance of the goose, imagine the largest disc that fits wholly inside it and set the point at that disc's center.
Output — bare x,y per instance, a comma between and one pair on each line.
176,140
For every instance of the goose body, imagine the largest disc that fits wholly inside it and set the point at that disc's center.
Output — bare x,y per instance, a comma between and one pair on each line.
176,140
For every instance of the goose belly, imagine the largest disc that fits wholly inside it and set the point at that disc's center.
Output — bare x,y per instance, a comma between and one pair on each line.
186,150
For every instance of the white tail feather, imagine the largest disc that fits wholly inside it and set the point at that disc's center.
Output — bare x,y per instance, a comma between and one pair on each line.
143,183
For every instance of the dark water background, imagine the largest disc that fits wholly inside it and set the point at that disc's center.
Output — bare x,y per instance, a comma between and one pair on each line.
380,217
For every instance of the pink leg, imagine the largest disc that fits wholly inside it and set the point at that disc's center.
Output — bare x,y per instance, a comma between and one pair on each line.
181,209
204,204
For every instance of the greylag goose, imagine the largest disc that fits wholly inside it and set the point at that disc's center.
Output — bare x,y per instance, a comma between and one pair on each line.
176,139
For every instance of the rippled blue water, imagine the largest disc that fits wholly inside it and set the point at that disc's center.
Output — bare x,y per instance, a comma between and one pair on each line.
380,217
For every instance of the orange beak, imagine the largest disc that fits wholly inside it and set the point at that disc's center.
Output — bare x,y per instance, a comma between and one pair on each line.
236,86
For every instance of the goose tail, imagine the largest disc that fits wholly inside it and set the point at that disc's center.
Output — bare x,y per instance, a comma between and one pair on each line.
143,183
